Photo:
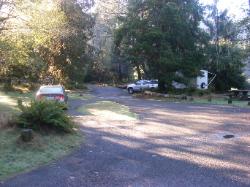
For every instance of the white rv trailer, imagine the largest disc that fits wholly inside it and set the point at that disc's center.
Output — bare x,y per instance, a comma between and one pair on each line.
202,81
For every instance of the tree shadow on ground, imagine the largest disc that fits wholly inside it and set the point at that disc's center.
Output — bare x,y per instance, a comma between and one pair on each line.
105,161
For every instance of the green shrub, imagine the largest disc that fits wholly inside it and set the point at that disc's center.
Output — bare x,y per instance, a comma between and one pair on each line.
190,91
44,116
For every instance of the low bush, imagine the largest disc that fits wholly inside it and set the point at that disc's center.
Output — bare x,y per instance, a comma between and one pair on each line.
44,116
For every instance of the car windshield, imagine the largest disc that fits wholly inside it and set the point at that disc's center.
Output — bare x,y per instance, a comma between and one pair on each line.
154,82
51,90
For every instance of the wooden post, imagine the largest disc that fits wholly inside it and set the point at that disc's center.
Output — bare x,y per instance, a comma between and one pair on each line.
209,98
27,135
230,100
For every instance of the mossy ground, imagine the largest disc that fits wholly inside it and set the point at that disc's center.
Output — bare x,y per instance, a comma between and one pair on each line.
17,156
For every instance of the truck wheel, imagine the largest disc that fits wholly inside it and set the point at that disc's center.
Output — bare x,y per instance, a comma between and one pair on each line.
130,90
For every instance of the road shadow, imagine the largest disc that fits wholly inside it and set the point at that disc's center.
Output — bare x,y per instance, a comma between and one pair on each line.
105,160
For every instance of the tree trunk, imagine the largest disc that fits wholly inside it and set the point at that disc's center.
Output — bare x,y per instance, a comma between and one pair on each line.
162,85
119,72
138,72
26,135
7,84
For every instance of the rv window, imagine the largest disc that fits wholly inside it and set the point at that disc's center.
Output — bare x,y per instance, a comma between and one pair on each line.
202,74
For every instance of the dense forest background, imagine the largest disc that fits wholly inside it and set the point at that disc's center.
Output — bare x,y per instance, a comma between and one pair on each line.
75,41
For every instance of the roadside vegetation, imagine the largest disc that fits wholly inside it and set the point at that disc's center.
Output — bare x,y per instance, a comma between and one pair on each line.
197,97
44,116
53,133
52,50
221,101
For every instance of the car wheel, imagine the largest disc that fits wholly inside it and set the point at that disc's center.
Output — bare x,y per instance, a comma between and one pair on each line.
130,90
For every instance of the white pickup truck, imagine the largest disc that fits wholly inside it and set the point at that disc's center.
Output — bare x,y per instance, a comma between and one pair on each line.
141,85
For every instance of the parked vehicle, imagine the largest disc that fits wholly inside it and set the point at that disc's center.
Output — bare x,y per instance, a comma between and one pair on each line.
153,84
141,85
52,92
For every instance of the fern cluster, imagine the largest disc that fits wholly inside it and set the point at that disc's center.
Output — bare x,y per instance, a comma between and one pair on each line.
44,116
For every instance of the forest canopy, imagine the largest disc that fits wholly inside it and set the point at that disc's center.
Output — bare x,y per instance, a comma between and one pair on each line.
44,41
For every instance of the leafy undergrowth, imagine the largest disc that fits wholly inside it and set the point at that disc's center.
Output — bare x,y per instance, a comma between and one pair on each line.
17,157
107,108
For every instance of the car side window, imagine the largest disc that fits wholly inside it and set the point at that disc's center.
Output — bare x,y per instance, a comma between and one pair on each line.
138,83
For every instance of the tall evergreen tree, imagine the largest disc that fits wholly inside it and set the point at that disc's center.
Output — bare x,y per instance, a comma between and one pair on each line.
163,37
225,54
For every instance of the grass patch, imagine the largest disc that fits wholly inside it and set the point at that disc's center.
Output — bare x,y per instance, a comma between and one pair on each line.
18,95
222,101
216,100
17,157
108,106
7,108
8,100
81,96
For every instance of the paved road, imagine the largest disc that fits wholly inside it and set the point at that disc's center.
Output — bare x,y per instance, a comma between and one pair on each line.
171,144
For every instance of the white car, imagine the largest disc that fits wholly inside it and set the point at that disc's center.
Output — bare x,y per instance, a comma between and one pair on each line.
141,85
52,92
153,84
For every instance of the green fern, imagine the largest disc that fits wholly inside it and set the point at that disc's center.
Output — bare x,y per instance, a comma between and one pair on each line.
44,115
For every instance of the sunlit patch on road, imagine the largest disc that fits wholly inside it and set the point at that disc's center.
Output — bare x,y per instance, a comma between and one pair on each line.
108,110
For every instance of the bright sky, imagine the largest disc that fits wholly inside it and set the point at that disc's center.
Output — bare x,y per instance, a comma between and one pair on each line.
235,7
